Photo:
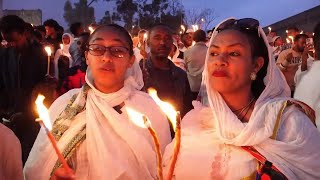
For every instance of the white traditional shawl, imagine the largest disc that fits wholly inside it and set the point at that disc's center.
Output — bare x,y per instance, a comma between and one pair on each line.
109,136
298,157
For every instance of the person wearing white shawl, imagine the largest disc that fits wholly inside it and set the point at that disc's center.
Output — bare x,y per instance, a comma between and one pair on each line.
93,130
67,40
249,105
173,56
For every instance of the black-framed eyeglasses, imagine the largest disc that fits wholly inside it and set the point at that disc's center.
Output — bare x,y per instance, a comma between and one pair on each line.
245,23
100,50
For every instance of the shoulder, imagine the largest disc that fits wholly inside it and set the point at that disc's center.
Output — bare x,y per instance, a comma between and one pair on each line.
296,124
201,117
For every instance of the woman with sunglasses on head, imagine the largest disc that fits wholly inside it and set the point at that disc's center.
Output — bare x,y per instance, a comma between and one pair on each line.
92,127
246,126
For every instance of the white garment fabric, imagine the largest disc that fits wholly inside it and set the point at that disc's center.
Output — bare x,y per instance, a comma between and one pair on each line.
294,152
64,52
308,89
10,155
114,147
177,61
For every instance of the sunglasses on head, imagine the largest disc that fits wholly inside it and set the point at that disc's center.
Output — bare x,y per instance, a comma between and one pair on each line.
245,23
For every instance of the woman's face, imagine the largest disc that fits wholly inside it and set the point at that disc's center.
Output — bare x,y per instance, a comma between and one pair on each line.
230,62
108,70
66,39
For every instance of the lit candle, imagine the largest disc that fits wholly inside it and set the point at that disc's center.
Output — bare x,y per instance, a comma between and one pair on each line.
291,38
183,28
44,121
288,40
301,32
269,29
48,50
143,122
197,27
61,46
180,32
91,29
287,31
202,19
175,119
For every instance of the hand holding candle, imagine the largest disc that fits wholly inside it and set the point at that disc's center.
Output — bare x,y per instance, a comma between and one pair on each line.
143,122
175,120
44,121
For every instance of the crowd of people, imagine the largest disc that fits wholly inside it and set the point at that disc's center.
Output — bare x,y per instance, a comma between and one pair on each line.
249,101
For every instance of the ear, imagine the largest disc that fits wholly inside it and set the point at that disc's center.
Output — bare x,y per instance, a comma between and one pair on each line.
86,56
131,60
258,64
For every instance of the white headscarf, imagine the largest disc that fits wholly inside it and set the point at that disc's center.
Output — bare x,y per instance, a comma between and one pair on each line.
108,135
65,49
260,127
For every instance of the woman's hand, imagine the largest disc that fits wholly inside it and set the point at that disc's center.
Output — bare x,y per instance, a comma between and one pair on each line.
63,174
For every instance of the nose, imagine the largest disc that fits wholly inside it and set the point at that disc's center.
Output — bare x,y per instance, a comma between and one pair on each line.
107,57
221,59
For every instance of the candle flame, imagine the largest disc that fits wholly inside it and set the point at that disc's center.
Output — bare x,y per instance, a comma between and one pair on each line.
202,19
287,31
61,46
312,34
145,36
183,28
43,112
137,118
269,29
291,37
91,29
301,32
48,50
166,107
288,41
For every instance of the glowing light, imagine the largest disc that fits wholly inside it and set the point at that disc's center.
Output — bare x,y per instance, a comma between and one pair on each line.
43,112
91,29
48,50
183,28
61,46
166,107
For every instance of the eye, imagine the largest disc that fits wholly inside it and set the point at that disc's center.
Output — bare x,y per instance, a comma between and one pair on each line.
213,54
234,54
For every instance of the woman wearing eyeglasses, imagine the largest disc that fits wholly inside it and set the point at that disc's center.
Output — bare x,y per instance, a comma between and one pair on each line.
91,125
246,126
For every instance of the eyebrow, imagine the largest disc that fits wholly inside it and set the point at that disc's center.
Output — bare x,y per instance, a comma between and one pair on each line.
101,39
231,45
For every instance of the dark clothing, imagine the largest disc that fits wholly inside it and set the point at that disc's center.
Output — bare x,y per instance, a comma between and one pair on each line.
19,74
172,85
181,55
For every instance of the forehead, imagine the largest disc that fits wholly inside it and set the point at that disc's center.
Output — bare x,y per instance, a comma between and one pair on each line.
229,37
161,30
108,34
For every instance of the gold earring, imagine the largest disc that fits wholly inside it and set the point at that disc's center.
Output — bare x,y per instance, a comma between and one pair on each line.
253,76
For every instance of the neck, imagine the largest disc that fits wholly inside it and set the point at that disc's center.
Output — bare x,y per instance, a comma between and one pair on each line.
108,90
160,62
237,100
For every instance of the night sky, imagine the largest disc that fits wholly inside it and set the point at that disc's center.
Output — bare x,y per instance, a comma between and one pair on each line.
266,11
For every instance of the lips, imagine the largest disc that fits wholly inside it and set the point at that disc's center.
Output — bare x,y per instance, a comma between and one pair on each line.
107,68
219,73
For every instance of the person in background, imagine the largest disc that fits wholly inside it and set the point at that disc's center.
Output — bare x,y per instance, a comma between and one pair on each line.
159,72
186,39
195,59
52,34
289,60
67,39
10,155
174,56
76,29
23,65
141,50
